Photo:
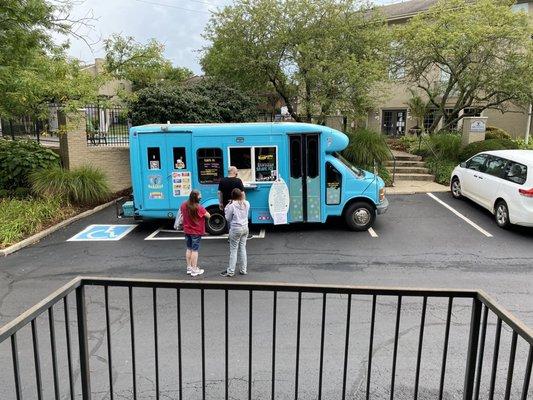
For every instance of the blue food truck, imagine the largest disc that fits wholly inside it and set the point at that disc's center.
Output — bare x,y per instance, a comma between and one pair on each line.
169,160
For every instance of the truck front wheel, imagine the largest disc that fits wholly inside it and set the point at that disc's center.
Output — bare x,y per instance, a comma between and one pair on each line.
216,225
360,216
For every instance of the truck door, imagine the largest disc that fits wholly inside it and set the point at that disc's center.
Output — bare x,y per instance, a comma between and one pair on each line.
304,185
179,168
153,172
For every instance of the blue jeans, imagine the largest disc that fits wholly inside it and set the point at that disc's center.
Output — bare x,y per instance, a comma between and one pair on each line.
193,242
237,246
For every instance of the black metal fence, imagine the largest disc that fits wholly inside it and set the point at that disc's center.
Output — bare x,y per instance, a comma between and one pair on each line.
28,128
194,339
107,126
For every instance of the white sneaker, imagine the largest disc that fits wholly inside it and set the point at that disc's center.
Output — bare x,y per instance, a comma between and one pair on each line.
189,270
196,272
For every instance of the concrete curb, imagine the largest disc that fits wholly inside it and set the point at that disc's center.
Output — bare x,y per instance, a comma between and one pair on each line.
408,191
38,236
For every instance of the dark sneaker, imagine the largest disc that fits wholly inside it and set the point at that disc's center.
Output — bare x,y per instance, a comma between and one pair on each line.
243,272
226,274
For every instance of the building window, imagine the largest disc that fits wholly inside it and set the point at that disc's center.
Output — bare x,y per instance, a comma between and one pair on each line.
397,64
429,119
450,115
255,164
444,74
179,158
154,158
472,112
210,165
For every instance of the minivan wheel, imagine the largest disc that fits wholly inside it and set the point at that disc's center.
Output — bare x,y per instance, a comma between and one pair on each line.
501,214
360,216
216,225
455,187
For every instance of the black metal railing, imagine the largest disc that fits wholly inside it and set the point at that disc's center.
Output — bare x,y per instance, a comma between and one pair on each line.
28,128
107,126
197,339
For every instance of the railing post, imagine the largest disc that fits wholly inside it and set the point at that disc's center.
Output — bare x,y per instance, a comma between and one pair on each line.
83,344
472,350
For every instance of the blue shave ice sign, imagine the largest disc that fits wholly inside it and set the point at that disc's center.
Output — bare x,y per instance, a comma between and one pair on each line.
102,233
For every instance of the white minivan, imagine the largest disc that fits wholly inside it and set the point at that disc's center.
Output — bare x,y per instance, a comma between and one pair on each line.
501,181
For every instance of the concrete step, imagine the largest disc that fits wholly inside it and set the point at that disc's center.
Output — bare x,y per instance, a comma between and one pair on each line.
414,177
400,163
407,157
408,170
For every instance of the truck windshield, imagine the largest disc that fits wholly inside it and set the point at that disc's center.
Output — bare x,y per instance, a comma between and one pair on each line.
355,170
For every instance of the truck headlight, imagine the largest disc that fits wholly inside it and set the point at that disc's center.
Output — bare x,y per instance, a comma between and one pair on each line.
381,195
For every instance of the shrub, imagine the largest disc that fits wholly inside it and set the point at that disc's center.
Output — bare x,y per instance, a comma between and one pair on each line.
385,175
410,143
365,147
446,145
19,158
521,143
441,168
22,218
486,145
492,132
85,185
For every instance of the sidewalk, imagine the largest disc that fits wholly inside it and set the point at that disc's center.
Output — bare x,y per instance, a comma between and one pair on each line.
412,187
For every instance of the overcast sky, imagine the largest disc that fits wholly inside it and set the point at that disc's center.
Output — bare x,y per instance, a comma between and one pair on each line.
178,24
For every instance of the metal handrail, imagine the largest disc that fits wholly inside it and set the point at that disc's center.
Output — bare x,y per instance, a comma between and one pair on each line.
393,163
481,305
430,147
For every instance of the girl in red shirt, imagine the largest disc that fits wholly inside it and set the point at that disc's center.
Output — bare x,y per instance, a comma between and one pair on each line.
193,215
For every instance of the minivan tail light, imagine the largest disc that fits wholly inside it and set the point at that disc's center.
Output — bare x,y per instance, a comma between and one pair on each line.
526,192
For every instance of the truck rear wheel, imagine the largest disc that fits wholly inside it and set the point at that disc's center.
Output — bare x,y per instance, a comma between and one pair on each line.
360,216
216,225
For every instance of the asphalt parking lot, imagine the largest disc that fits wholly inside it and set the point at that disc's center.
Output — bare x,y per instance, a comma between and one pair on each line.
420,242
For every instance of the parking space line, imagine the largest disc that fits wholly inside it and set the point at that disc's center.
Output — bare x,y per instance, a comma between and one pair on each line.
153,235
453,210
372,232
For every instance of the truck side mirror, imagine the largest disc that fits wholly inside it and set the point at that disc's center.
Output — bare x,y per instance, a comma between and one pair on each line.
463,164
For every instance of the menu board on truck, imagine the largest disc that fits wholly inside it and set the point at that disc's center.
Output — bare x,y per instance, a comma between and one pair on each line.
210,169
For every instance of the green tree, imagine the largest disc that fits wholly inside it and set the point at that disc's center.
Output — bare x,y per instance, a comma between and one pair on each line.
206,101
142,64
319,56
464,53
418,108
177,74
33,70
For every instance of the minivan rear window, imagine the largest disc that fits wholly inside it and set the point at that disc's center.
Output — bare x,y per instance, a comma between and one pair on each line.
516,172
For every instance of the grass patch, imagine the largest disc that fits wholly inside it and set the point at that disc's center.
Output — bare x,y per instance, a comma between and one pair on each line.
20,218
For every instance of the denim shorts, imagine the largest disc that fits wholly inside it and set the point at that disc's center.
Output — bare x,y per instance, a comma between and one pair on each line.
193,242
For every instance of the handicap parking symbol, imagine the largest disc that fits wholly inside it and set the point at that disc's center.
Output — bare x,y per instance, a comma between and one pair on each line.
102,233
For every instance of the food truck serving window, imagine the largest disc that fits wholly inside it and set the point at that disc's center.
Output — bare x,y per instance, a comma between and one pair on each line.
210,165
255,164
178,154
